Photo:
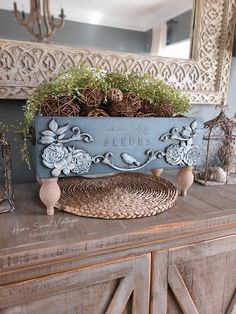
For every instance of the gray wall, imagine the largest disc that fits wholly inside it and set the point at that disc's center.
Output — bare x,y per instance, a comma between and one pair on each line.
179,28
81,34
234,46
11,112
231,96
110,38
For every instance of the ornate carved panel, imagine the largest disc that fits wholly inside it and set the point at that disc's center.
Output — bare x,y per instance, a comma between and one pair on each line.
204,78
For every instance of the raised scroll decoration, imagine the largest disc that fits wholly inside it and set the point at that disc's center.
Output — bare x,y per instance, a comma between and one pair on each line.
183,153
66,160
63,159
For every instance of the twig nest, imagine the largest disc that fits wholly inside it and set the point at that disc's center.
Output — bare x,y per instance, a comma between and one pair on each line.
132,100
64,106
114,95
91,97
148,108
85,111
120,109
98,113
164,110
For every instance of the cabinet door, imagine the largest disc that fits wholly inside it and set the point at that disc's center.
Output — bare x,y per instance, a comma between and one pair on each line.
202,278
119,287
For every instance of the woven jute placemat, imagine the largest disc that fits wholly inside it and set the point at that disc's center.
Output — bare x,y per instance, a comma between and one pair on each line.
120,196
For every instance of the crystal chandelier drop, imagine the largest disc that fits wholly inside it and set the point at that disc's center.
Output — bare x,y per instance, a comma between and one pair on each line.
39,22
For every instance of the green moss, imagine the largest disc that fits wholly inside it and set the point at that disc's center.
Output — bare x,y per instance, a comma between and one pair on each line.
148,88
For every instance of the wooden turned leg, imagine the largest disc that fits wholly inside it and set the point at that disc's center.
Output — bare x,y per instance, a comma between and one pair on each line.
157,172
49,193
185,179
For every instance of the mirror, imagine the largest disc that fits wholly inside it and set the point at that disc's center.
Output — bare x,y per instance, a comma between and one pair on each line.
147,27
202,73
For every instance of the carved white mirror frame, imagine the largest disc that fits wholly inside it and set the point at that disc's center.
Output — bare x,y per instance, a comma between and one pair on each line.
204,78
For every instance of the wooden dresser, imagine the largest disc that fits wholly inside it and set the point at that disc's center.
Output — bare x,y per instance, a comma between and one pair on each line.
181,261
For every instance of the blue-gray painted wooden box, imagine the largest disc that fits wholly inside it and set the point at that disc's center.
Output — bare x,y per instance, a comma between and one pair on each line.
67,146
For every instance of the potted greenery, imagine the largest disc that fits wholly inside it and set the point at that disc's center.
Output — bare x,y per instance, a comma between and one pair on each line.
88,121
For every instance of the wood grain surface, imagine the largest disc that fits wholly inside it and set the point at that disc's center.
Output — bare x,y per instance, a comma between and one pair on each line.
180,261
28,236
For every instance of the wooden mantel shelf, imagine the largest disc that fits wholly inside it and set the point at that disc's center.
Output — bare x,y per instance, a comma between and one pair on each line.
180,258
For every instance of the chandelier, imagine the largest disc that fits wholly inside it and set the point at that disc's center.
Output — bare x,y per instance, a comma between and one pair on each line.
41,26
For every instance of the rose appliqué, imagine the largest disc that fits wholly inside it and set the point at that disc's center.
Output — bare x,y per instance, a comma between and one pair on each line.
65,160
192,156
53,154
55,157
82,162
174,154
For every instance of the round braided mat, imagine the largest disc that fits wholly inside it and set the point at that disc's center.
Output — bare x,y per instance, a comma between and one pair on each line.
123,195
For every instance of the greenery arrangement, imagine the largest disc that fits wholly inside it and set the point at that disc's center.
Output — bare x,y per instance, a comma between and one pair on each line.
71,83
